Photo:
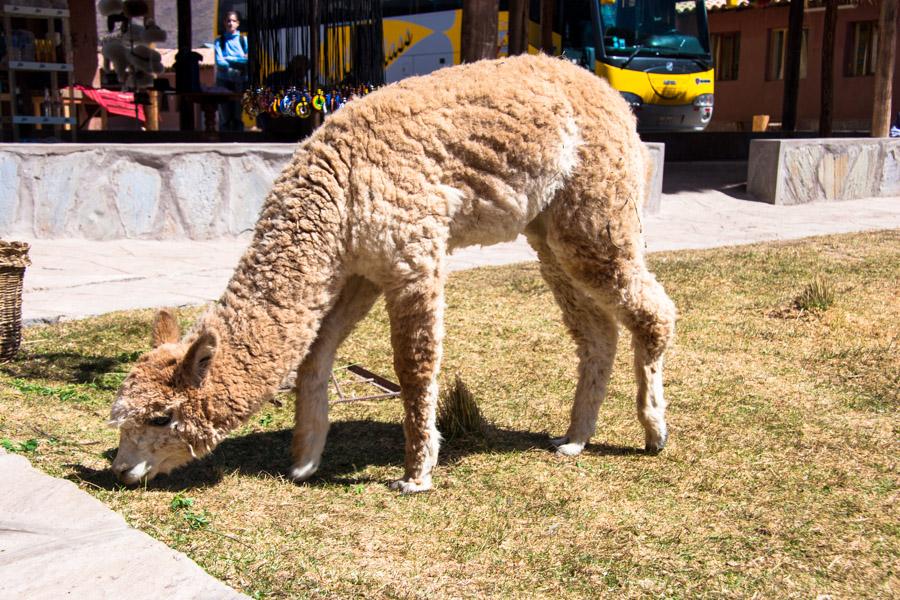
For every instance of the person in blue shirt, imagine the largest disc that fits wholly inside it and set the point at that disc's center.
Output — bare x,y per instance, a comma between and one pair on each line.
231,70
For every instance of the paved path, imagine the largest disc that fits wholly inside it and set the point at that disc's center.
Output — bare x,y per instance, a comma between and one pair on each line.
56,541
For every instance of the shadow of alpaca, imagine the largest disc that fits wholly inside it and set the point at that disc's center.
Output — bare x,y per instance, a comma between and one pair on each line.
352,445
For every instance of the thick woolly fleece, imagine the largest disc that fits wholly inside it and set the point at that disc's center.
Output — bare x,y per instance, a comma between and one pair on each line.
372,203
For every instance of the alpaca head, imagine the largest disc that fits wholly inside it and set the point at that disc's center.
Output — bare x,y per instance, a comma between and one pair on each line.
159,408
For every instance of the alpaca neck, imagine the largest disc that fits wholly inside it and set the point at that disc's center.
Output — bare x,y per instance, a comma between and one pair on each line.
283,287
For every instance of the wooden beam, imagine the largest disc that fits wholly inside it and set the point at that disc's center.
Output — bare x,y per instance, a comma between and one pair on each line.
479,30
884,68
547,26
826,103
792,65
183,66
518,39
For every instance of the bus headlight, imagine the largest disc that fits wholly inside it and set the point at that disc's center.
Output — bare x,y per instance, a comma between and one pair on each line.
704,105
704,100
633,100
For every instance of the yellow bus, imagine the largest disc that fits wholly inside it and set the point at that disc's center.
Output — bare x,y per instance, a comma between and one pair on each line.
655,52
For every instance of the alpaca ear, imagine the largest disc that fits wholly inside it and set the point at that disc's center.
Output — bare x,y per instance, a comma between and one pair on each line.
198,359
165,329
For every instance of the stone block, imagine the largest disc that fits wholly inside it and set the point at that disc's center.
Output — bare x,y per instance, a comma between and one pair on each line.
154,191
890,172
815,170
657,160
9,190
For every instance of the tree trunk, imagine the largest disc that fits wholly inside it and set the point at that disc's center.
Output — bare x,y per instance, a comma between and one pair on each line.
792,66
518,34
479,30
827,101
547,27
884,68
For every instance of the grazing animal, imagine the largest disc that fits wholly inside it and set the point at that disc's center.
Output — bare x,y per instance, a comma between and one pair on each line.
372,203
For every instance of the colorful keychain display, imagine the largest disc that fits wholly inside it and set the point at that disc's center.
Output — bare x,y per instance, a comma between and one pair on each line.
294,102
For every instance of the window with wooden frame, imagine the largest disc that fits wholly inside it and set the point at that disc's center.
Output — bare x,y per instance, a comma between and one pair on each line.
862,40
726,51
776,59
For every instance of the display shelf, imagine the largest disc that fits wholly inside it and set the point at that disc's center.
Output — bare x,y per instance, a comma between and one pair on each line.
27,65
31,120
37,12
25,76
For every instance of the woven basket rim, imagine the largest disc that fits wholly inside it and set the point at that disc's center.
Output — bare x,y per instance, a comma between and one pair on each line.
14,254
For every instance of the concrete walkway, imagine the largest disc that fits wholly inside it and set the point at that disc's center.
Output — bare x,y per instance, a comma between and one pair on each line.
56,541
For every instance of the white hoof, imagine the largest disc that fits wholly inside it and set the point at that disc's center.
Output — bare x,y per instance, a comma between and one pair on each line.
405,486
572,449
564,447
303,472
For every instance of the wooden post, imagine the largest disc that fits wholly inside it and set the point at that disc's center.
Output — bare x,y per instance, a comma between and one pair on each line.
792,65
152,109
884,68
183,66
479,30
518,35
547,27
827,101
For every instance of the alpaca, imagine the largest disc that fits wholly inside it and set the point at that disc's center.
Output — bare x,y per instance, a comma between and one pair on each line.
371,204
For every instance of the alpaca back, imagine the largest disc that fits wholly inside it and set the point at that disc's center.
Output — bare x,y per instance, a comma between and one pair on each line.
469,154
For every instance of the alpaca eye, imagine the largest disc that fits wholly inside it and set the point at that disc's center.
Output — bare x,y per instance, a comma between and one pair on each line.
161,421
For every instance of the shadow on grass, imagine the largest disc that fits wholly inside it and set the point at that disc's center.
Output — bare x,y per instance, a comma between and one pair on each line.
66,367
352,445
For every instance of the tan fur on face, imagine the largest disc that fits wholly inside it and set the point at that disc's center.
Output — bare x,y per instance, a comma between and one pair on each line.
374,200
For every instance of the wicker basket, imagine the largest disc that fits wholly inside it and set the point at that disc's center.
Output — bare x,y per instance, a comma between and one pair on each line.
13,260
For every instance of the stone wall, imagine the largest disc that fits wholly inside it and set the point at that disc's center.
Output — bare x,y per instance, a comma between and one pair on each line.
815,170
147,191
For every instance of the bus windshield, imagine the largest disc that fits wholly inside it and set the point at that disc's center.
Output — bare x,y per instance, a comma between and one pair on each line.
654,28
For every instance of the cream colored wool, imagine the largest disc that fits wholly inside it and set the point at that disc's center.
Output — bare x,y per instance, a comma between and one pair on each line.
372,203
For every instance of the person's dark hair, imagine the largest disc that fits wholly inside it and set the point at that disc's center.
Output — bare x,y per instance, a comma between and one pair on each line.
237,16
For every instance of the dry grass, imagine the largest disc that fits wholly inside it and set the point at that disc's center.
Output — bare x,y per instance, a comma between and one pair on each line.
458,413
780,479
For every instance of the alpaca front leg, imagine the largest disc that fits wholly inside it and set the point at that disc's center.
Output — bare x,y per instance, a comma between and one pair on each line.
313,375
310,417
416,335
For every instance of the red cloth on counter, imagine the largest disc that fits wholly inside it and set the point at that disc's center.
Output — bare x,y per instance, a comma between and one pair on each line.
115,103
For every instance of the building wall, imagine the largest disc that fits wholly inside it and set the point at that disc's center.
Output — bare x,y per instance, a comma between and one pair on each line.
737,101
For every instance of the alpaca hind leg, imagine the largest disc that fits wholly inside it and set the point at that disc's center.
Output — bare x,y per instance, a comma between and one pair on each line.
642,305
416,315
604,256
595,333
650,315
314,373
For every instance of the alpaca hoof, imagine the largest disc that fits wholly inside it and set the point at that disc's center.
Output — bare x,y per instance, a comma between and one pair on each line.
571,449
302,472
565,447
655,444
412,486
